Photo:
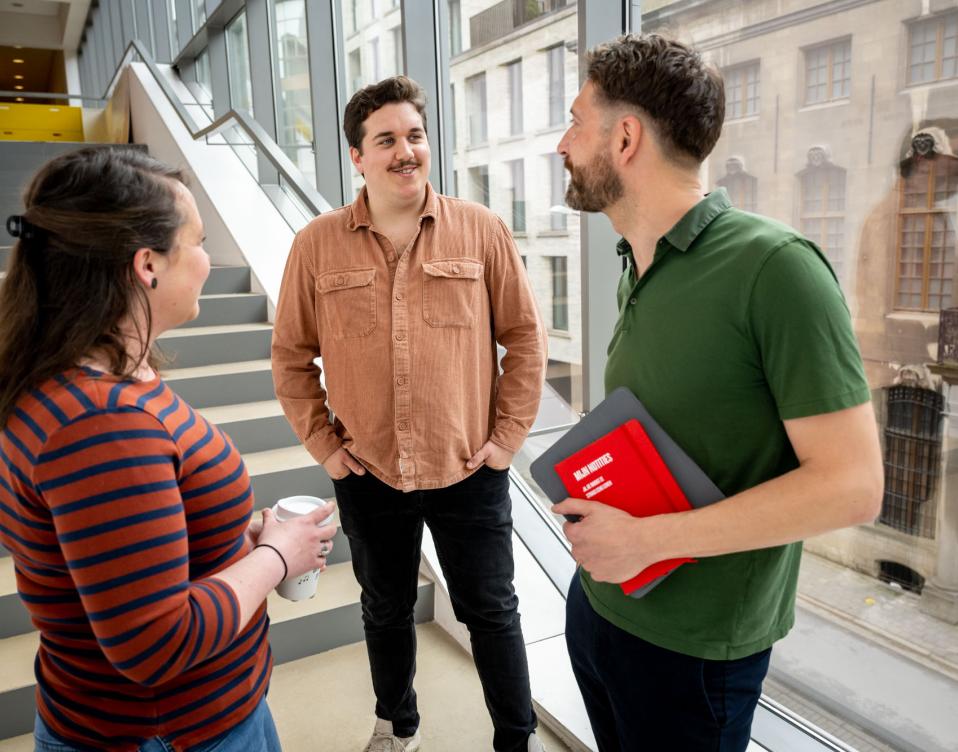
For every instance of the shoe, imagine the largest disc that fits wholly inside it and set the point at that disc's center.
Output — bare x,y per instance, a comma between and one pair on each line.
535,744
383,739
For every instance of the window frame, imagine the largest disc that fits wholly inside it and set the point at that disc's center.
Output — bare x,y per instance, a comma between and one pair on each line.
742,69
939,21
836,257
929,210
829,47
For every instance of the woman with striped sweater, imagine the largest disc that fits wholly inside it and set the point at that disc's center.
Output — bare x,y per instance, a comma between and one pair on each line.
126,513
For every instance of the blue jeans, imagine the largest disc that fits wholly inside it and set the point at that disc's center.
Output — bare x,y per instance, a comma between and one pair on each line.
256,734
643,697
471,524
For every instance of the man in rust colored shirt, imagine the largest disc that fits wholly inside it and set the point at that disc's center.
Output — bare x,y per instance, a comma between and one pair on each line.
404,294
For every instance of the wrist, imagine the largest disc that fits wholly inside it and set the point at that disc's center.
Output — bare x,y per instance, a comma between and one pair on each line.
276,555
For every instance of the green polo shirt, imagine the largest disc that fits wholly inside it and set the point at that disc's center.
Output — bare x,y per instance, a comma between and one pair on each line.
737,325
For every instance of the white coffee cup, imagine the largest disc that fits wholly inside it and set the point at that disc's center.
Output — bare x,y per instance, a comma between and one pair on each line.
302,587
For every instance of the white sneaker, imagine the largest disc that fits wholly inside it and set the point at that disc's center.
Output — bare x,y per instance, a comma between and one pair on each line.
383,739
535,744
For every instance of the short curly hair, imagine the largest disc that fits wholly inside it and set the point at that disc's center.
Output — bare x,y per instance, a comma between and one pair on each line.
366,101
669,83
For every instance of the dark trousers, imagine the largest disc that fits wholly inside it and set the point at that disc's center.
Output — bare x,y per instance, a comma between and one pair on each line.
471,525
642,697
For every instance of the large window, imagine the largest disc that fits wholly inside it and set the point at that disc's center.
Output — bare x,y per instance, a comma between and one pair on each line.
476,109
555,61
479,184
926,239
828,72
933,49
912,459
742,188
558,219
558,269
237,51
294,115
514,78
517,176
741,91
822,214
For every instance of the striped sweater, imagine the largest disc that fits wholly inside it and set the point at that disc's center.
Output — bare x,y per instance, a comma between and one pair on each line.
119,504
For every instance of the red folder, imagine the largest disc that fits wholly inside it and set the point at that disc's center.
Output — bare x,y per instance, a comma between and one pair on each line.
624,470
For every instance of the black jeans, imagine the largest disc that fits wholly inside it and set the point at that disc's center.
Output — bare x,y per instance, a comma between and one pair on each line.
643,697
471,524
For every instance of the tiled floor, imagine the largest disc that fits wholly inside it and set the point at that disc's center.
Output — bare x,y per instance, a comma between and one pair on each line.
325,702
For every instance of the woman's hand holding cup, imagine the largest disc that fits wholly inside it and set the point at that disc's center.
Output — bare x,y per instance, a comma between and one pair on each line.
304,540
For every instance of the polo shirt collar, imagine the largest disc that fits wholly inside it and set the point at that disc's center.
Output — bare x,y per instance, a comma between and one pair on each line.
359,209
696,219
687,229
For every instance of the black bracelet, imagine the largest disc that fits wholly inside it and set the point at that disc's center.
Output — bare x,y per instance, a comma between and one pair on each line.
266,545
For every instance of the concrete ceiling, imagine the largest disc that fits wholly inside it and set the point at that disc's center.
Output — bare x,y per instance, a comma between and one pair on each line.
43,24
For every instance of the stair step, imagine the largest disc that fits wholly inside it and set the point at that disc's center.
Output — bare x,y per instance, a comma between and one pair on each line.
222,384
289,471
232,308
253,426
226,280
17,683
210,345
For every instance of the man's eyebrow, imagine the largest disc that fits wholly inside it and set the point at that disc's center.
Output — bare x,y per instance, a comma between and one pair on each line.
416,129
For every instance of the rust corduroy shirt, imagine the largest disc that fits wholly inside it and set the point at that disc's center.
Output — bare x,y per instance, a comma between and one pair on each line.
408,341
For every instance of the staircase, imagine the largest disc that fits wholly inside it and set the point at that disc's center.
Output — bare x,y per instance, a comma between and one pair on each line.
220,365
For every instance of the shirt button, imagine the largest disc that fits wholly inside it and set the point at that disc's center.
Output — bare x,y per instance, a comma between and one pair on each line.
340,281
401,381
398,296
455,268
400,337
632,302
403,426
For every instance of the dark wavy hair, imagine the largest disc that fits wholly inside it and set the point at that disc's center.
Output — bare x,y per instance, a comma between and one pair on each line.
366,101
668,82
70,280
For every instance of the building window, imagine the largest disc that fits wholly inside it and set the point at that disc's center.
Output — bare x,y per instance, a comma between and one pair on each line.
822,206
926,236
398,66
354,15
933,49
479,178
555,60
741,91
476,109
517,176
557,219
514,76
294,112
742,188
828,72
375,60
237,56
912,459
452,108
455,27
356,70
558,266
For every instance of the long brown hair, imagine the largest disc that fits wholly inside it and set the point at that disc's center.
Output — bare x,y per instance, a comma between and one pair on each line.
70,281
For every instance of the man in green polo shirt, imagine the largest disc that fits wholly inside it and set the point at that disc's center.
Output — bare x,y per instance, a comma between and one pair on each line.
734,334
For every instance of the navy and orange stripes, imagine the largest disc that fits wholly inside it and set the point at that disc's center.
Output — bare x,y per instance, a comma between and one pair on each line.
119,504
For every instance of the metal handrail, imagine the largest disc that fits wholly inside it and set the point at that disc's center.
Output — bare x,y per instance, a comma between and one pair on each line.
312,199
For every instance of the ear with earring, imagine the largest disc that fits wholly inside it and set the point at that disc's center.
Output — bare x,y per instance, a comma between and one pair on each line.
153,283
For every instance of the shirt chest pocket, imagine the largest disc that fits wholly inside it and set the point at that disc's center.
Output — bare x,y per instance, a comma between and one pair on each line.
450,292
348,302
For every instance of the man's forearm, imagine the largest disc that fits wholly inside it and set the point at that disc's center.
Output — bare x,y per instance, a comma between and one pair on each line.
803,503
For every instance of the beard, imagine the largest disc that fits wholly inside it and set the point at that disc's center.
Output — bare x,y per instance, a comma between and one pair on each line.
593,188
